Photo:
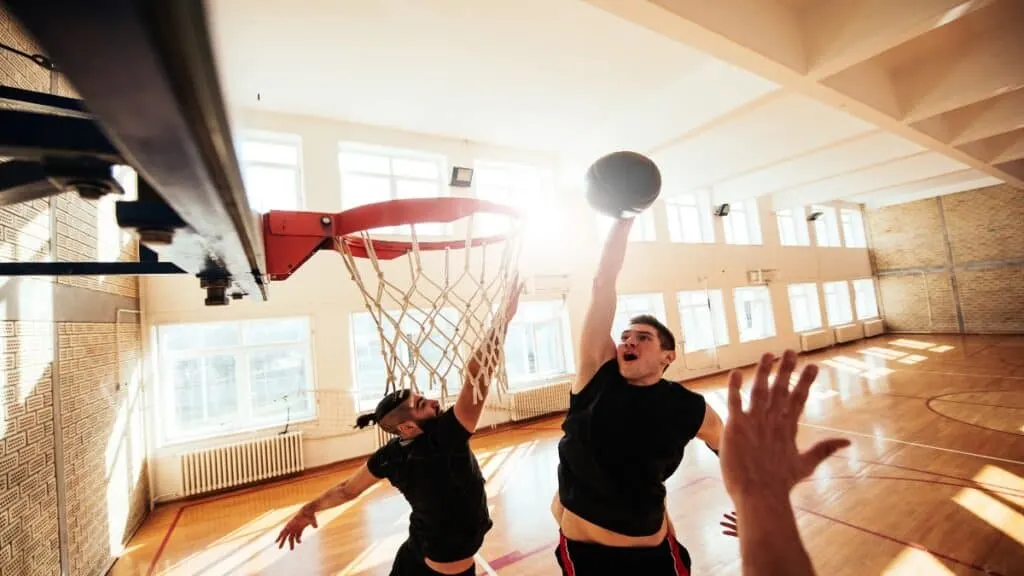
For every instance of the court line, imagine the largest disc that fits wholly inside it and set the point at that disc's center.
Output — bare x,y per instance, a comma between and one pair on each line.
483,564
915,444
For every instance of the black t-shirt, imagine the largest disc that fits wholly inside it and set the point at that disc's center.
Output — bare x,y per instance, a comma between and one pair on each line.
440,478
621,443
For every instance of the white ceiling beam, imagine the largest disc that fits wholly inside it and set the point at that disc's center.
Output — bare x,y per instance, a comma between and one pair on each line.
653,16
951,182
981,120
841,33
998,149
967,73
769,28
844,186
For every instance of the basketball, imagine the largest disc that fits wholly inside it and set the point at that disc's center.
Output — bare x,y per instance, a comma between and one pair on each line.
622,184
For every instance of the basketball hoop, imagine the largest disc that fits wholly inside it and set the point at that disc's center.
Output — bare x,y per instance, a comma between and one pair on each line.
433,301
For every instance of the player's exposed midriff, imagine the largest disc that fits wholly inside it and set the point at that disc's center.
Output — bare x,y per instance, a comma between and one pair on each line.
576,528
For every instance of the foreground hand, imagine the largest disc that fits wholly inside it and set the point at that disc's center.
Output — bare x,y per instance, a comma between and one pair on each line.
292,531
730,525
759,454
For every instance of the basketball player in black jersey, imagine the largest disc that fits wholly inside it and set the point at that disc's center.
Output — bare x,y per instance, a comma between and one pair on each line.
433,466
624,435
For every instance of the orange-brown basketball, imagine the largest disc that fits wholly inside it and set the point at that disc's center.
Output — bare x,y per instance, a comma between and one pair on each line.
622,184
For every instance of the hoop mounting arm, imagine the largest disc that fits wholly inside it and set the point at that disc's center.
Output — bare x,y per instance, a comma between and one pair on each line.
291,238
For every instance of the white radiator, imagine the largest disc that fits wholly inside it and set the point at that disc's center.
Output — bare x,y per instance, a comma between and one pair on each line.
382,436
814,340
873,328
849,333
546,399
241,463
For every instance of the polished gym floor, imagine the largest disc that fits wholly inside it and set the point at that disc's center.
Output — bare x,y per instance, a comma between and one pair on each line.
933,483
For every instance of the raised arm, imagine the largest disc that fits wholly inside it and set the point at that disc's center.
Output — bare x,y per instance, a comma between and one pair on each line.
337,495
711,429
482,364
596,344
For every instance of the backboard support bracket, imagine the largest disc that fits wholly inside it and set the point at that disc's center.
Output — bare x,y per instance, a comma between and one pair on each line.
150,99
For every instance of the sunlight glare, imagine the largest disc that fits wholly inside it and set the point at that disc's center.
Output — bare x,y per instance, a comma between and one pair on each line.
995,476
915,561
841,367
380,552
941,349
883,353
914,344
953,14
35,354
912,359
993,512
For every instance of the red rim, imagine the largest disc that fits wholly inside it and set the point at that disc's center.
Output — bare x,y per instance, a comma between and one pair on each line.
413,211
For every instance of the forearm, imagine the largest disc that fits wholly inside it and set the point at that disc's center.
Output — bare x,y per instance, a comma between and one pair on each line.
770,542
335,496
482,364
614,251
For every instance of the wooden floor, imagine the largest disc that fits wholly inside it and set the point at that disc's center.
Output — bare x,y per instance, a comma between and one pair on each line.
933,483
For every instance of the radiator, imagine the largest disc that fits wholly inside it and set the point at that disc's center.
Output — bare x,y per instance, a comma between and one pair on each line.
241,463
849,333
546,399
382,436
814,340
873,328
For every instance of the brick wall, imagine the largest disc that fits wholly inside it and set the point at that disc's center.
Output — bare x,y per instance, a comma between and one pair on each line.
965,248
71,390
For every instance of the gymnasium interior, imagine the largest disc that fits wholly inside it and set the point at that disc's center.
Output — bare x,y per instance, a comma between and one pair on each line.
844,178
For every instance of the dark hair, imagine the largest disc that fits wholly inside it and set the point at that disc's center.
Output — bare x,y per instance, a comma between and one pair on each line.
665,336
385,407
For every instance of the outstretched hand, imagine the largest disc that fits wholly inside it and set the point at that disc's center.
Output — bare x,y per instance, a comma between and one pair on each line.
292,531
759,454
730,525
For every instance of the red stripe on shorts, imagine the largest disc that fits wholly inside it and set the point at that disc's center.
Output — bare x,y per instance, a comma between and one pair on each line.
563,550
676,558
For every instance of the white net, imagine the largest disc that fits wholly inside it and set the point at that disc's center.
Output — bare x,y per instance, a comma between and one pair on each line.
434,308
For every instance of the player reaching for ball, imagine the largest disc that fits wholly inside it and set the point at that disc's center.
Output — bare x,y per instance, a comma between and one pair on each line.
432,465
627,426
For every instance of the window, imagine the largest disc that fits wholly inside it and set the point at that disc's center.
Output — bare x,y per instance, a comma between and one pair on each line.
371,174
630,305
837,303
537,346
742,225
853,228
689,219
521,186
804,306
826,228
225,377
642,230
703,316
754,313
792,227
272,171
371,372
864,293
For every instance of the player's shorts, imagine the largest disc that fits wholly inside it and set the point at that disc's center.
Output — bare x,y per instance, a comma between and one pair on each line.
670,558
409,562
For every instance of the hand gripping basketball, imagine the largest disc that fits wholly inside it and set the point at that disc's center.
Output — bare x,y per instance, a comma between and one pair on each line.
622,184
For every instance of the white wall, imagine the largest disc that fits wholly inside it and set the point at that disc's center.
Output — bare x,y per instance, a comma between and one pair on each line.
568,242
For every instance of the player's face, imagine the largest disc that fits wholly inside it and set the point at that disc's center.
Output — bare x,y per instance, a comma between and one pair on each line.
639,353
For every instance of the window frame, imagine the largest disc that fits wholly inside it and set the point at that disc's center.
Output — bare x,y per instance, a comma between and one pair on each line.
391,154
853,219
170,434
817,323
714,303
752,228
700,203
844,299
565,349
741,313
279,139
798,218
644,227
829,223
873,291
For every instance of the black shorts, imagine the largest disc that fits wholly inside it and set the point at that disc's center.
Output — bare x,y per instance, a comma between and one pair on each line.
409,562
670,558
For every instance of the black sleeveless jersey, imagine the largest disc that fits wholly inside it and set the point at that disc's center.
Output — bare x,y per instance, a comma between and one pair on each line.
440,478
621,443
